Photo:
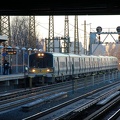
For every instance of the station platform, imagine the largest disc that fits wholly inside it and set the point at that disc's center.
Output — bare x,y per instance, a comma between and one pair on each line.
13,81
18,80
12,77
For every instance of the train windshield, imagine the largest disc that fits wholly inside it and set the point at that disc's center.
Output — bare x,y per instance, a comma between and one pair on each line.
41,62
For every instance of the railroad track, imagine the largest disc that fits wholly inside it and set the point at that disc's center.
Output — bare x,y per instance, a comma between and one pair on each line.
21,98
115,116
15,99
28,91
19,93
71,107
103,109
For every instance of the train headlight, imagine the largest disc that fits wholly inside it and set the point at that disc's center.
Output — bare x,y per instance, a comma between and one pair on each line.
48,70
40,54
33,70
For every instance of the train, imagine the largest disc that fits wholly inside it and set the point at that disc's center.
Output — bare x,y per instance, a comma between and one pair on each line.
56,67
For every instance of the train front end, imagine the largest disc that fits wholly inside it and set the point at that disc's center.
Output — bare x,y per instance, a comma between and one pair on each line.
41,65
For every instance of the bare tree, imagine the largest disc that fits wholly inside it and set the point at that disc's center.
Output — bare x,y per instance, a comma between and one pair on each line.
20,38
19,31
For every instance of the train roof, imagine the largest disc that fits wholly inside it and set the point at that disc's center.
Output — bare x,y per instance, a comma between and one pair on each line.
73,55
107,56
56,54
76,55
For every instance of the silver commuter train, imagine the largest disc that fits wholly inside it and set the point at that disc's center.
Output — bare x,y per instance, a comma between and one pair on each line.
56,67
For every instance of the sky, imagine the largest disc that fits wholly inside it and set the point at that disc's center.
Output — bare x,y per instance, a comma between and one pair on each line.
107,22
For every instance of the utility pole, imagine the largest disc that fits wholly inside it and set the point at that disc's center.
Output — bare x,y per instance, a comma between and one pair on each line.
85,38
89,40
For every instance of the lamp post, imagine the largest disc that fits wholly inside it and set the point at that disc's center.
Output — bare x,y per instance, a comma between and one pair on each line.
17,59
40,50
29,52
23,48
9,48
1,57
35,49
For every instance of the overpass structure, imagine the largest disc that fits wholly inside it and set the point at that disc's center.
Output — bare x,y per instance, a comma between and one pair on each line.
61,7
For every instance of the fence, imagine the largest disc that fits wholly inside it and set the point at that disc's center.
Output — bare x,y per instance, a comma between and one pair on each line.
17,61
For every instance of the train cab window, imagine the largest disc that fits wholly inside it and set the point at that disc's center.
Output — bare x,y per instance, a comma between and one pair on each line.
45,62
32,63
41,62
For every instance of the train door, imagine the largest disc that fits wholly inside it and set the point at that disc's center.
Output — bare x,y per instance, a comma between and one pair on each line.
89,66
72,65
82,65
98,63
66,66
87,63
58,66
108,63
102,64
93,64
79,65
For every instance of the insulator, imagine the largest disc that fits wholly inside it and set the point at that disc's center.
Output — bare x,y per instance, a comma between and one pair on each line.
119,37
99,37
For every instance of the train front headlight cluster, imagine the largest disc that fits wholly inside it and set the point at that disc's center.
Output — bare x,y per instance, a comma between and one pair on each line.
40,54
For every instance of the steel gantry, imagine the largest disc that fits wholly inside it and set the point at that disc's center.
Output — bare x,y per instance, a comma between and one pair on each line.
76,37
5,31
5,28
66,39
96,43
32,35
49,43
